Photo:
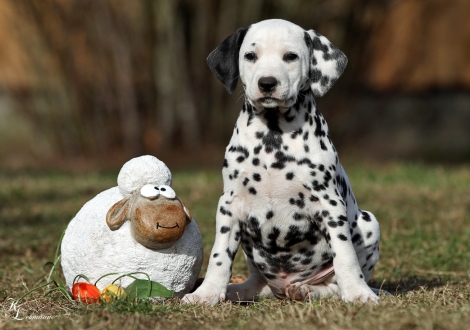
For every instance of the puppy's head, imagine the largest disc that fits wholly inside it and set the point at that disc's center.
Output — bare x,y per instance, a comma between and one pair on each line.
275,60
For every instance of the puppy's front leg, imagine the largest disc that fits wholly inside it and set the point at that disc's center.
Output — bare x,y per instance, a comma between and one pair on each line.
227,240
346,265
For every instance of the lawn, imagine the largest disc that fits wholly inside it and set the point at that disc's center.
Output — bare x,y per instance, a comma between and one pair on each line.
425,251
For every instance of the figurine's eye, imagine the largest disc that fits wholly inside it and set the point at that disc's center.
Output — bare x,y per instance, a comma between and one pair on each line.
150,191
167,191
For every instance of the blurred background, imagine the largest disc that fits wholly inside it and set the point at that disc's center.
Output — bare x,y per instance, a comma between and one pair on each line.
95,82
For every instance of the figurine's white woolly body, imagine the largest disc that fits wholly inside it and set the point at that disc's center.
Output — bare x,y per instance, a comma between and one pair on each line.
89,247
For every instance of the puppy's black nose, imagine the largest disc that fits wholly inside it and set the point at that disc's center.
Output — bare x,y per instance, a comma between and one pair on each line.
267,84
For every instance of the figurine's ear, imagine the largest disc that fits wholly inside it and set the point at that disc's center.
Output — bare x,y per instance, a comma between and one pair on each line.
223,61
186,211
118,213
327,62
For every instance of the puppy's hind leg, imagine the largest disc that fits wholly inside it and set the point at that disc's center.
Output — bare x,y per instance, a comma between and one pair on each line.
326,289
365,238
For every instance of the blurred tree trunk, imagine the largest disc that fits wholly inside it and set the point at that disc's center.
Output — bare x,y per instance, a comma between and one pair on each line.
176,107
120,77
112,40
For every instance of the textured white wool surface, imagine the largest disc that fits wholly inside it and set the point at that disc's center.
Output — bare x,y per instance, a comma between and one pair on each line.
140,171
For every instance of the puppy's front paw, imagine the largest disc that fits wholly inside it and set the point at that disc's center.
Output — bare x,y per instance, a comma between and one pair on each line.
361,294
200,296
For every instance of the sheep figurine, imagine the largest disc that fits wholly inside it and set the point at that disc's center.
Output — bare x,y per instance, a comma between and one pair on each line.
139,226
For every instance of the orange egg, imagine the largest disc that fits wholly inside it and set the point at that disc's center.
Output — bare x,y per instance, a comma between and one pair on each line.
86,292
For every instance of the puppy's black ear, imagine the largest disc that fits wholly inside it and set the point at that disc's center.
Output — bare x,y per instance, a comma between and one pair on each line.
223,61
327,62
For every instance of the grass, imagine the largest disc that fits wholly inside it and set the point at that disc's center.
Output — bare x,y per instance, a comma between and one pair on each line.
425,252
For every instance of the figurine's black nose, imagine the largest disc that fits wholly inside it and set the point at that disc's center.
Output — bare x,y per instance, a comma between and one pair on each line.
267,84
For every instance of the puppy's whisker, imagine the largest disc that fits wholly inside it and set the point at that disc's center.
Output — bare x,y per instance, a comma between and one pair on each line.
241,95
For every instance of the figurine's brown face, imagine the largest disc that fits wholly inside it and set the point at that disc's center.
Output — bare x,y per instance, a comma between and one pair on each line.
157,216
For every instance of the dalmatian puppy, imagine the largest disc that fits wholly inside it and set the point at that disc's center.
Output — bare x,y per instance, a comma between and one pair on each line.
287,199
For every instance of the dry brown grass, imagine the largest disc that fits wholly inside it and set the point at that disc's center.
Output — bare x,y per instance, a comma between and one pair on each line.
423,211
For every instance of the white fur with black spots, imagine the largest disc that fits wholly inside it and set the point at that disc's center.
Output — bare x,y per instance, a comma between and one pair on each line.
287,200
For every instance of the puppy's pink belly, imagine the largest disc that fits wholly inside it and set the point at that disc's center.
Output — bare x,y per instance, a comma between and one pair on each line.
283,280
279,284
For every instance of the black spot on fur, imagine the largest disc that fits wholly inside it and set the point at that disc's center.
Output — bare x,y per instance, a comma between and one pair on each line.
252,190
314,75
282,159
239,149
305,137
289,176
225,211
238,235
257,177
332,224
231,254
306,261
314,198
295,133
310,253
293,236
343,187
342,237
273,138
324,81
356,238
224,229
319,132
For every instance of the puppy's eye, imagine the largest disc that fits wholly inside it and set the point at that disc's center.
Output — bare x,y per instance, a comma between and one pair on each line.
251,56
290,57
150,191
167,191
